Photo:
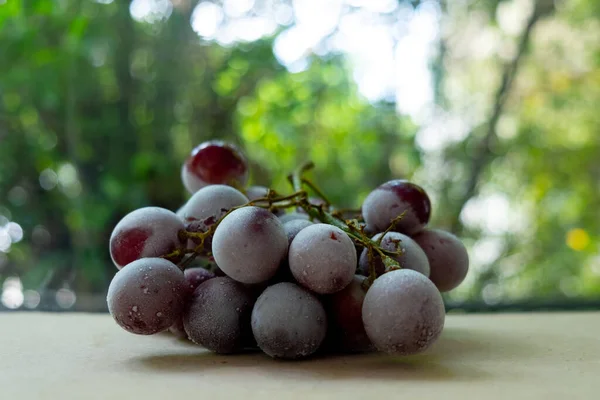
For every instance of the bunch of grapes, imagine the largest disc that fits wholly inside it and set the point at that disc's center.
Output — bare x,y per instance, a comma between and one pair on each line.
239,268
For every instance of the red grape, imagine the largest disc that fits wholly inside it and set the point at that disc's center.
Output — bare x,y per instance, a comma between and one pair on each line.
146,232
214,162
390,200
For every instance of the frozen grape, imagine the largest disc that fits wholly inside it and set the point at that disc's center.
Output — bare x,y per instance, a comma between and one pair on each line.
403,312
294,226
447,255
322,258
288,321
196,276
293,216
146,232
249,244
193,278
393,198
214,162
147,296
218,316
412,256
208,205
346,331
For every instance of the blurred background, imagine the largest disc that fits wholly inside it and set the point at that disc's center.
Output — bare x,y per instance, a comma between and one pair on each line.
491,105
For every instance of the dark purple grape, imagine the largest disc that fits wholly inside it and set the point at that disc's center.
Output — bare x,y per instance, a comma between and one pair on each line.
403,312
193,278
294,226
412,256
147,296
322,258
145,232
249,245
448,258
218,316
288,321
214,162
196,276
293,216
346,332
390,200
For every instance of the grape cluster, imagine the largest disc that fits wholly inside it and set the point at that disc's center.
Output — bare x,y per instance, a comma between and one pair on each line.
239,268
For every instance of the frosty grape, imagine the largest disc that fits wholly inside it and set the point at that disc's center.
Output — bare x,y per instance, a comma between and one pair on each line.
249,244
403,312
448,258
288,321
147,296
145,232
322,258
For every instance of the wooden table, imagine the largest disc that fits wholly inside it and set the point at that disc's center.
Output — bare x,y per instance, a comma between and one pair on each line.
504,356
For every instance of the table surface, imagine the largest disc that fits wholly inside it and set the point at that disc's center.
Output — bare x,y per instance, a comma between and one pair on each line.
514,356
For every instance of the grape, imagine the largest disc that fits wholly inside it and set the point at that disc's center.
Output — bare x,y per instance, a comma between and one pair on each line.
293,227
193,278
214,162
208,205
218,316
346,331
293,216
448,258
147,296
288,321
249,244
146,232
390,200
322,258
196,276
412,257
403,312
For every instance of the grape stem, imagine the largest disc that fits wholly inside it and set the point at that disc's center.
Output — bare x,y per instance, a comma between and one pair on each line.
358,235
318,212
